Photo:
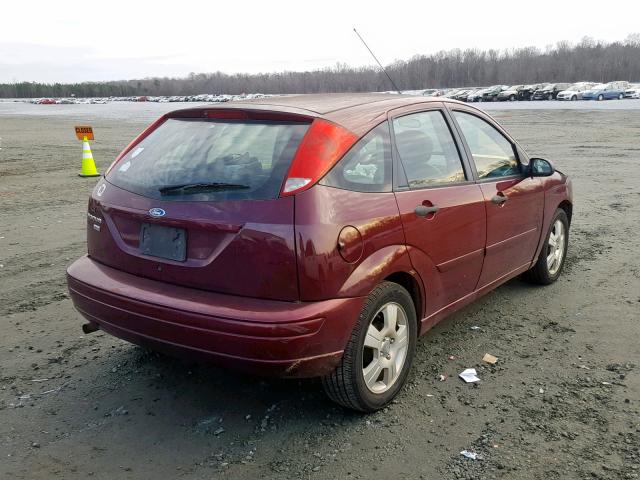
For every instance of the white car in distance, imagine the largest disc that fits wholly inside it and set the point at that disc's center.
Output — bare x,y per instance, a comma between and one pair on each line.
574,92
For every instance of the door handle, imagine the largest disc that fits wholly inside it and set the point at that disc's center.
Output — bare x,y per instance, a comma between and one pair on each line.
423,210
499,198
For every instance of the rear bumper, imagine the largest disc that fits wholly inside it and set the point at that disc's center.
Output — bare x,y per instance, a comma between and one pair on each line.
265,337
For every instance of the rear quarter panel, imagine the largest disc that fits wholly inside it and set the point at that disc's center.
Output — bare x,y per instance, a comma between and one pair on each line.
320,214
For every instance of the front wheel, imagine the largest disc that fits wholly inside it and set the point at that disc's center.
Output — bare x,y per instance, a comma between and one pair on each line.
600,97
376,362
553,253
574,98
620,97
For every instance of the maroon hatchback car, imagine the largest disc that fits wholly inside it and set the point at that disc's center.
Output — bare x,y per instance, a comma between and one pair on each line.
314,235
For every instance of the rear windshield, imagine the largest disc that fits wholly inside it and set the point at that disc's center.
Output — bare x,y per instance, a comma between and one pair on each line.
210,160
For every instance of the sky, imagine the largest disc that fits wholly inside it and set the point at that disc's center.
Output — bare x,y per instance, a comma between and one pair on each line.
65,41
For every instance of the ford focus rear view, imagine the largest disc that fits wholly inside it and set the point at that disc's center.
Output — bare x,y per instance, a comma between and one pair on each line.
314,235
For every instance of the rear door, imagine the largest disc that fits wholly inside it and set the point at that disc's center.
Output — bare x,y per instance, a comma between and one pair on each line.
514,202
196,203
441,208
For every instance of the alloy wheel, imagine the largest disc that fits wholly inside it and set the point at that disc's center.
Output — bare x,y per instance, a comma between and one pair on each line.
556,247
385,348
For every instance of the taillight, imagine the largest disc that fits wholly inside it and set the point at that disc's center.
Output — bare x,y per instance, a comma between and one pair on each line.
145,133
321,147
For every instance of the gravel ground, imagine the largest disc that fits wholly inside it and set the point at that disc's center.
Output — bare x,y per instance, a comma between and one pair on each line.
562,401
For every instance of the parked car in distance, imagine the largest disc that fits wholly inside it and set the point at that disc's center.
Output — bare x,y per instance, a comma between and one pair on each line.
432,92
574,91
462,94
314,235
633,91
549,91
450,93
511,93
606,91
526,93
476,94
491,94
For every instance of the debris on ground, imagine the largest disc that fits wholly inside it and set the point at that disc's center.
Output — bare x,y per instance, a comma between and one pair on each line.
471,455
488,358
469,375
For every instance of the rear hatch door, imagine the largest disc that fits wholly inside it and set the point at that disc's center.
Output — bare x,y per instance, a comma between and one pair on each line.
196,203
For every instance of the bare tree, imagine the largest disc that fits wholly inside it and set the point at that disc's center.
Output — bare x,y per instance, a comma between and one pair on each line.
587,60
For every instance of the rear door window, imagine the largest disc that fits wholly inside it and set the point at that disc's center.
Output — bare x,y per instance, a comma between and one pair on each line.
427,150
366,167
493,154
210,160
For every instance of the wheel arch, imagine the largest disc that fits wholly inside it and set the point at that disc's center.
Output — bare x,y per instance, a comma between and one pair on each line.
411,284
567,206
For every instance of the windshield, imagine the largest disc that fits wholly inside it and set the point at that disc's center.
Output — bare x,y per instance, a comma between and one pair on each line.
210,160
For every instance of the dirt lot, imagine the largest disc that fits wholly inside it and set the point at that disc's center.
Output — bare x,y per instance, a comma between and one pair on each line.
562,402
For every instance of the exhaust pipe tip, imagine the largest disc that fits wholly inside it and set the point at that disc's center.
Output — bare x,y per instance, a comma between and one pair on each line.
90,327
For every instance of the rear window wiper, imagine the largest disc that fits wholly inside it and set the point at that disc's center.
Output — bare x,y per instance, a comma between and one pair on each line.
200,187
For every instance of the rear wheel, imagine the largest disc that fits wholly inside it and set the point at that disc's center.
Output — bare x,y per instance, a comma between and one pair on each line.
378,356
554,252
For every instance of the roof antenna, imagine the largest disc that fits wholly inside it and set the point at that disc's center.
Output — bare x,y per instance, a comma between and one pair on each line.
376,59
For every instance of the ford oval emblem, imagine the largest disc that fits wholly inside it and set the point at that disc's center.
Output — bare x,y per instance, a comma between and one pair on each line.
157,212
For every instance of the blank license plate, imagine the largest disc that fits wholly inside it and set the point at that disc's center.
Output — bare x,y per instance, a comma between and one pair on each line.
163,242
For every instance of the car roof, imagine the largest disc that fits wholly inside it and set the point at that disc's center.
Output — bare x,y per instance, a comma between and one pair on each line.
359,112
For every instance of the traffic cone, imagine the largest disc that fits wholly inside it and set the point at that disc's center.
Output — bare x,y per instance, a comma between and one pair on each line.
88,165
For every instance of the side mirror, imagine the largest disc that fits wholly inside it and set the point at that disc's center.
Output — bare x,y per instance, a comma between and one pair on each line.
539,167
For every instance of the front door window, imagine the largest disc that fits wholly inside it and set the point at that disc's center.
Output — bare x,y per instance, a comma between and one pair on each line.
493,154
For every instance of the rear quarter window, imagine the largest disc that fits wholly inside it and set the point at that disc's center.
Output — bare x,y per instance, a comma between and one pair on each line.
366,167
243,159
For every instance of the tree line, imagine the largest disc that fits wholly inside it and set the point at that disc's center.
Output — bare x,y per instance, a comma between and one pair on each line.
588,60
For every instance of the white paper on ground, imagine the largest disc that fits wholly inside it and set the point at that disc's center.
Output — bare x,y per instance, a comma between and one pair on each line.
471,455
469,375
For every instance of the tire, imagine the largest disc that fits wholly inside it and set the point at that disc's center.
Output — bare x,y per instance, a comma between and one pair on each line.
346,385
574,98
620,97
550,96
600,97
544,272
512,98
